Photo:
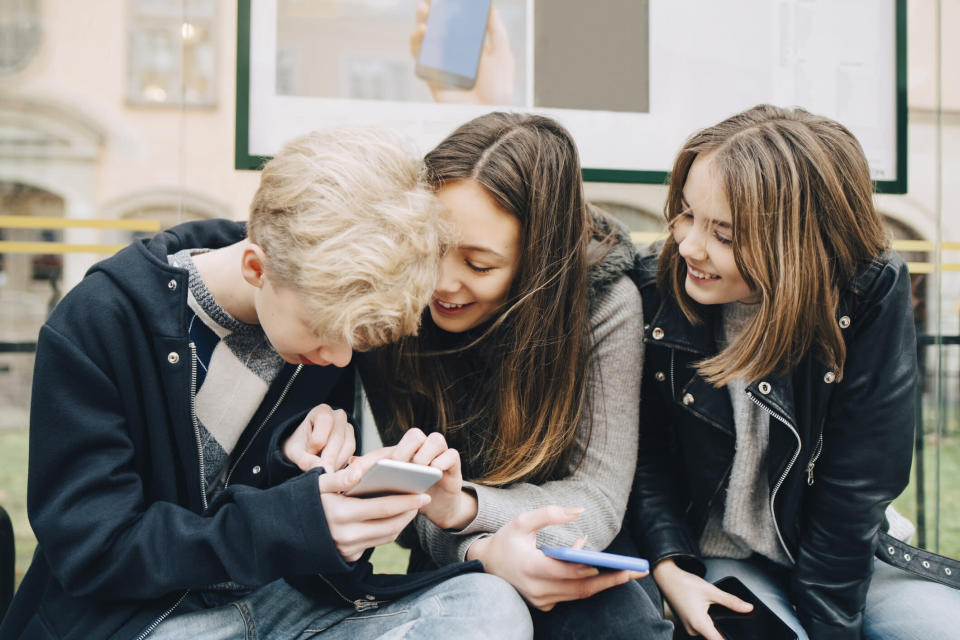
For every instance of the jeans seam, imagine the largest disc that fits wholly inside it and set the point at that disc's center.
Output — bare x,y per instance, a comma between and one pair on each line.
246,615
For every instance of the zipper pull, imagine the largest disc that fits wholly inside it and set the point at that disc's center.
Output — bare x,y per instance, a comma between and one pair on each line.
810,466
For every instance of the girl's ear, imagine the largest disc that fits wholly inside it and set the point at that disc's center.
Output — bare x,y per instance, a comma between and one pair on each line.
252,264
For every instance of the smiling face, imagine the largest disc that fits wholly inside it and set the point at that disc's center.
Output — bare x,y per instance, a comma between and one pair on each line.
704,235
476,273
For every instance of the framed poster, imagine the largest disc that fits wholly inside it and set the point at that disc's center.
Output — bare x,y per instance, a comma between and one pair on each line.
630,79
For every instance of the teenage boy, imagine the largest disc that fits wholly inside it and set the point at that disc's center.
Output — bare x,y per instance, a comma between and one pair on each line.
179,386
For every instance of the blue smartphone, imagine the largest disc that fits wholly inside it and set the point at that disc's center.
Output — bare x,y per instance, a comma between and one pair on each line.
451,48
597,558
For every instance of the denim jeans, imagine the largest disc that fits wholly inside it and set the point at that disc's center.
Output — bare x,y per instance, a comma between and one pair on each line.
900,605
626,611
469,606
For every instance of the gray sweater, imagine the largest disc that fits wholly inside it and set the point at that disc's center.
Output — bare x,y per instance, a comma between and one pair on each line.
742,524
601,484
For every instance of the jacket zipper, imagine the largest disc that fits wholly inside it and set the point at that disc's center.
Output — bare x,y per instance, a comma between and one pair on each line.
783,476
163,616
196,423
286,389
813,460
359,604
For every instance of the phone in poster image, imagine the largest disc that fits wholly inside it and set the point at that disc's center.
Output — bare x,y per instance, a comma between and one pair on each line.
392,476
597,558
451,48
759,624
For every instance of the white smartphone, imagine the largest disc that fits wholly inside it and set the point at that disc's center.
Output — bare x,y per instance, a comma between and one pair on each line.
450,52
393,476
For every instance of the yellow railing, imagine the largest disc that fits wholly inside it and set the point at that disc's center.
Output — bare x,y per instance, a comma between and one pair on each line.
32,222
646,237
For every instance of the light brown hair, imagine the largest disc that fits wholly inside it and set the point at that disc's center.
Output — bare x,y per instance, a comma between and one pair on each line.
533,404
803,220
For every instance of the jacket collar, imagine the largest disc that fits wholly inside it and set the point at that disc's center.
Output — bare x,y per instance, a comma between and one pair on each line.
671,328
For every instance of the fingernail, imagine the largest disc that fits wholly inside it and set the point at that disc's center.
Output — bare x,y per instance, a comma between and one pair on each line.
573,511
588,572
424,499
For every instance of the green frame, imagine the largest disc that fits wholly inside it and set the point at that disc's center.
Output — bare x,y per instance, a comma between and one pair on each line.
244,161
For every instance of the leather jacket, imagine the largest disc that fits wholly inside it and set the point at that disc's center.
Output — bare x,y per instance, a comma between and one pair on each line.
838,453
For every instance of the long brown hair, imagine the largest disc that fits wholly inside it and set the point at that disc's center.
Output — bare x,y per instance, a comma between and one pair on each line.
533,402
801,199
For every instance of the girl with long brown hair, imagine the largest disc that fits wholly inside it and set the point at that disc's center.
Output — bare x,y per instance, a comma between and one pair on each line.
779,388
526,367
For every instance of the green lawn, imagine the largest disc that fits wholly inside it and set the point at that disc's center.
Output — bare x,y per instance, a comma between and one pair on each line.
13,493
949,496
393,559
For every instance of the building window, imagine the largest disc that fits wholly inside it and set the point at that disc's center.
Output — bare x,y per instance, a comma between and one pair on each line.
171,52
19,34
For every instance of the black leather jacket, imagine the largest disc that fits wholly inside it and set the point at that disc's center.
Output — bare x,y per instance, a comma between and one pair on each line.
838,452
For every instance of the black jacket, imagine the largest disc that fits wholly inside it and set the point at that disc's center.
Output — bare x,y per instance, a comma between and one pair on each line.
838,452
114,493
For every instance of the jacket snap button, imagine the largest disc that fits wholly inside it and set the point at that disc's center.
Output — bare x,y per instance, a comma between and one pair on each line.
173,357
658,334
660,376
844,322
687,399
764,387
829,377
256,469
172,285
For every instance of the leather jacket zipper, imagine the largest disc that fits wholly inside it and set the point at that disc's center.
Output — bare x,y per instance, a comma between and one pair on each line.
783,476
360,604
813,460
283,395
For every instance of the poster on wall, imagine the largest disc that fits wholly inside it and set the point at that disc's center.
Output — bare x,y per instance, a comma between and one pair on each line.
630,79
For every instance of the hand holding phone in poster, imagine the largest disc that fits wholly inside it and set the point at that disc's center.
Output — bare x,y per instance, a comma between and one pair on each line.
463,52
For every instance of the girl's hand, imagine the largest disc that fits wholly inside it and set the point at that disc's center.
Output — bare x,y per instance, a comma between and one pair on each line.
690,596
324,439
511,553
450,506
356,524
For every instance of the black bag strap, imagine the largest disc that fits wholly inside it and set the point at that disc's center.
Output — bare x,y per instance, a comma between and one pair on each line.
918,561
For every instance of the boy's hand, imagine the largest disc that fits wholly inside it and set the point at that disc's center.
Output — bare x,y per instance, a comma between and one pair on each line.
356,524
450,507
511,553
324,438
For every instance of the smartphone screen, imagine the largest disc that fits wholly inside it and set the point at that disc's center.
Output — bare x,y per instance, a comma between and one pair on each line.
450,52
759,624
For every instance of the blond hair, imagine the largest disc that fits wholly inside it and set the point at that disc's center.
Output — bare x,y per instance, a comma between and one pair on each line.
803,218
346,221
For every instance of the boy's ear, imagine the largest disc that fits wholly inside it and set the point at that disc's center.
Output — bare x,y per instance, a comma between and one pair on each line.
252,264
